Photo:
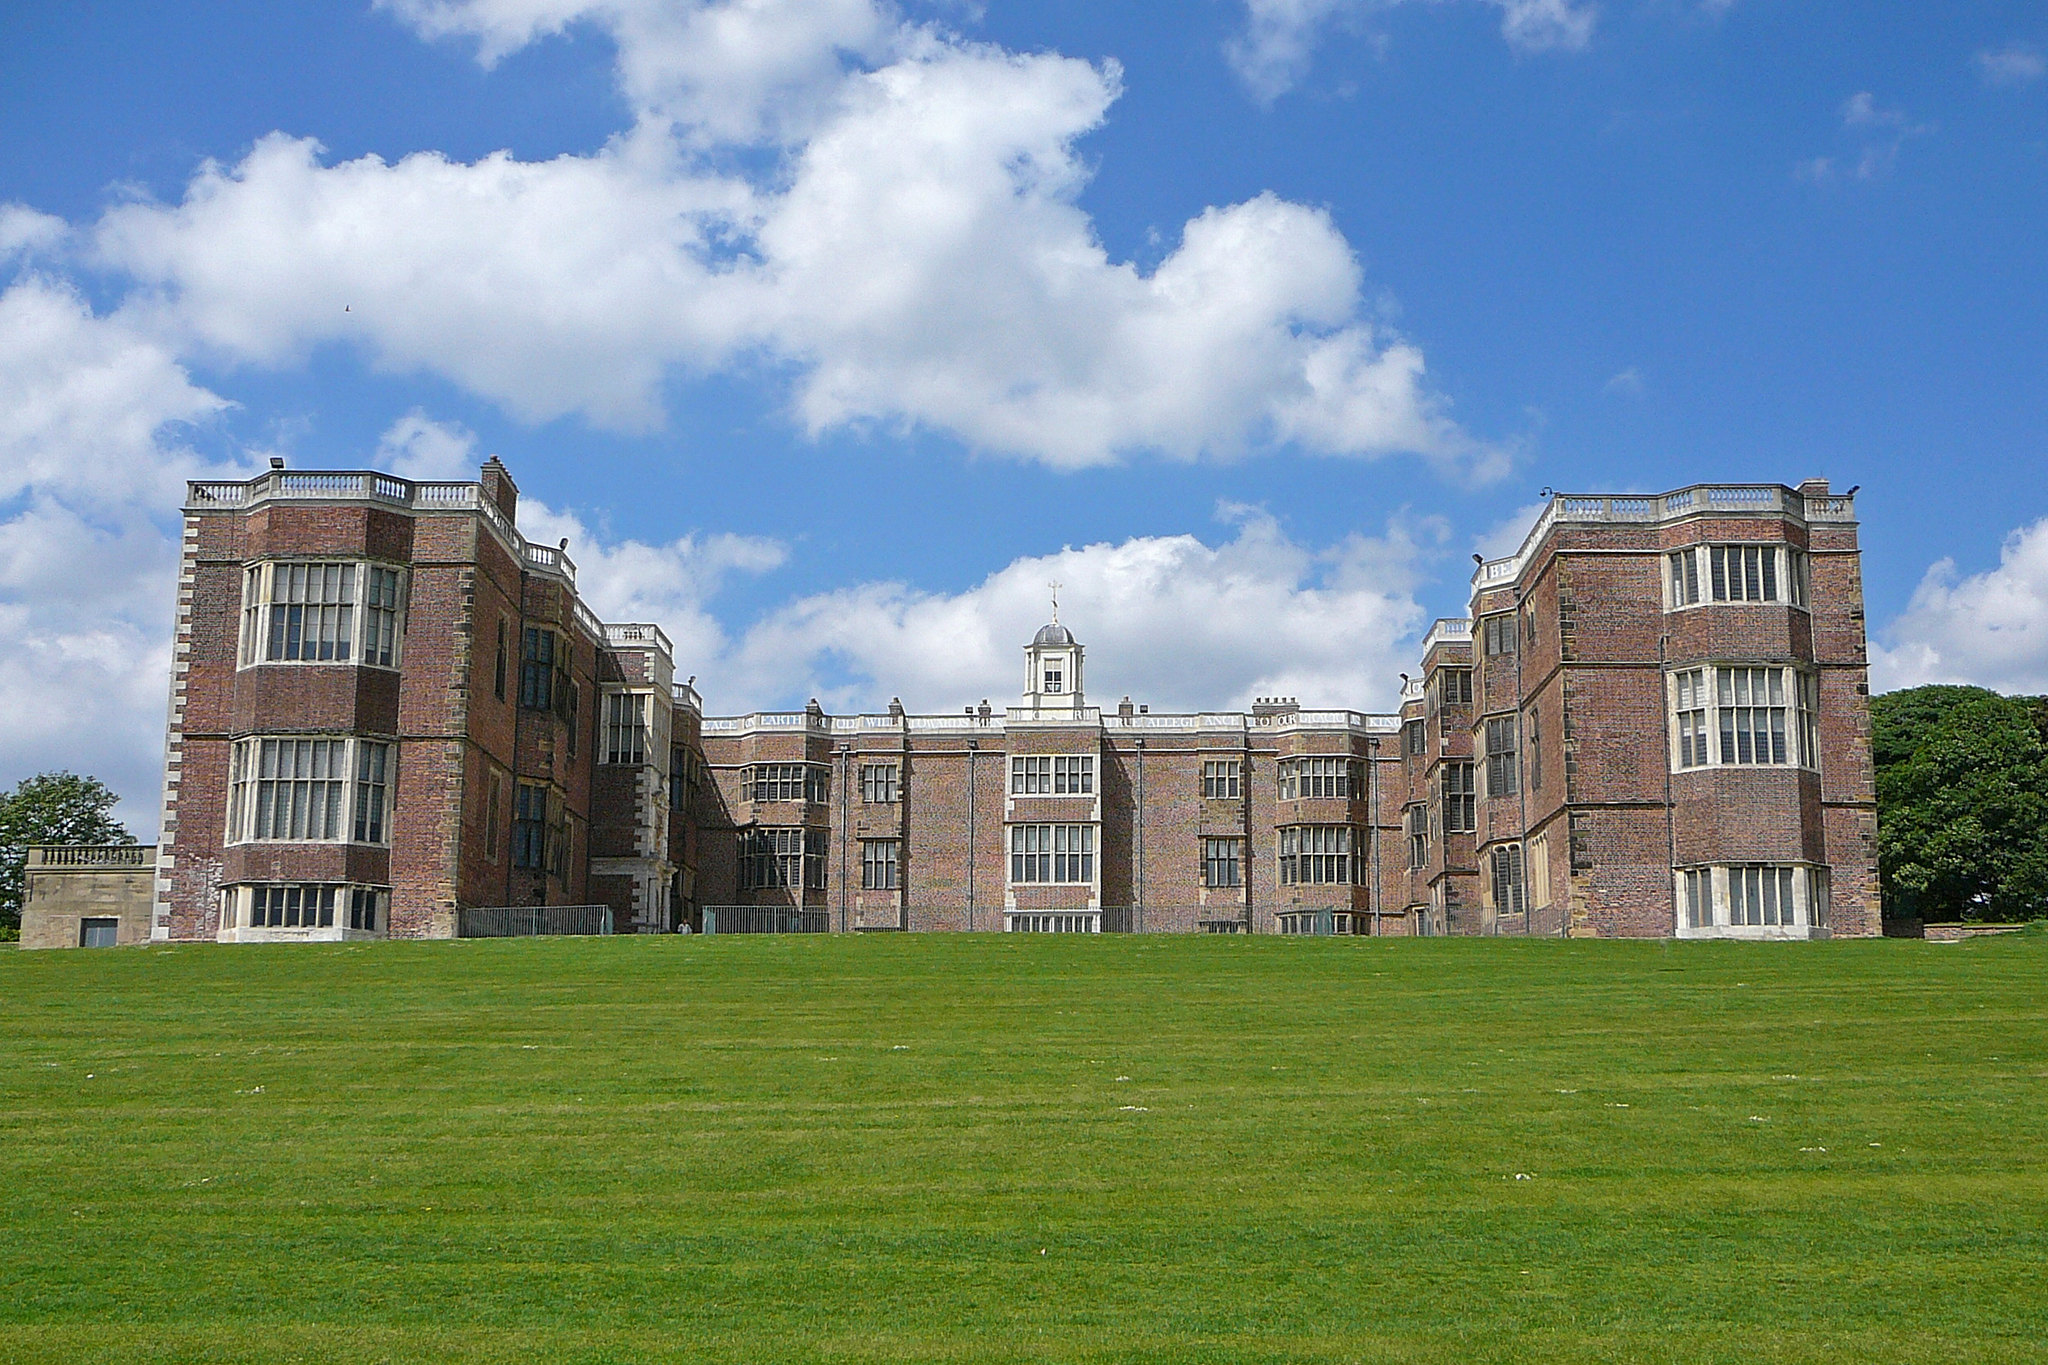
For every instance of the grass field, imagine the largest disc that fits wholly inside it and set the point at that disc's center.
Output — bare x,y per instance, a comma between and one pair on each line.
1033,1148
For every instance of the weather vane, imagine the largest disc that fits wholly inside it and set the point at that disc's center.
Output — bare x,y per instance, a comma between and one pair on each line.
1055,602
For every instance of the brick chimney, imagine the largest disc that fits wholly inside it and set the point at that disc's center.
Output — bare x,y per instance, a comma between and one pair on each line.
1813,488
499,488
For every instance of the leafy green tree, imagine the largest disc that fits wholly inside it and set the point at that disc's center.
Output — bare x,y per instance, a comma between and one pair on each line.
1962,801
51,808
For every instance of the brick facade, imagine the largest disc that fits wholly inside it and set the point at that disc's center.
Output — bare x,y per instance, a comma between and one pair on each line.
1531,782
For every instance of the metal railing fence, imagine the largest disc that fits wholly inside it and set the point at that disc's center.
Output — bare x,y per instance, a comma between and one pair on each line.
766,919
532,921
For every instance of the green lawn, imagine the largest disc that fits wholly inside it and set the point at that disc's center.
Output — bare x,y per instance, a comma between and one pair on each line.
1037,1148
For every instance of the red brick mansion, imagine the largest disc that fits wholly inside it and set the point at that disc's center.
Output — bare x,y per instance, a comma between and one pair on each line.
389,708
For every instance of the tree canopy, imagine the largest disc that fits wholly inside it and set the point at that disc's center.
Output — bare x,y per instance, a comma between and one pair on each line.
1962,803
51,808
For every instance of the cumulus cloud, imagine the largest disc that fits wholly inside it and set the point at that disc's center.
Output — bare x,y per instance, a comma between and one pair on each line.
917,259
669,584
2013,64
1274,51
91,473
418,447
24,230
1989,628
1170,620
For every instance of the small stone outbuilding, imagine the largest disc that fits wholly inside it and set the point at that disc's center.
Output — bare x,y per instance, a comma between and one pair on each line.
89,897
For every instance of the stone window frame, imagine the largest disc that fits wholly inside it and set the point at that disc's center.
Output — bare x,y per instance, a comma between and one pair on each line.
1222,862
1724,573
357,789
1711,710
1709,897
880,783
359,623
1052,854
1318,855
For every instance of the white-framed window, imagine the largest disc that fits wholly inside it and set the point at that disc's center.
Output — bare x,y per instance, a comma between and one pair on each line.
311,612
625,728
1460,797
878,783
1220,779
1510,888
1317,855
878,864
1736,573
1053,922
1052,775
1503,772
788,856
327,789
1054,854
310,905
1220,862
1449,687
1743,714
1321,922
786,782
1753,899
1055,678
1338,778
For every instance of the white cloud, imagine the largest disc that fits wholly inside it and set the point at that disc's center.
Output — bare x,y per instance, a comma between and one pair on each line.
24,230
1507,534
90,478
1627,384
669,584
2013,64
1880,132
1988,628
1170,620
734,71
1273,53
918,260
418,447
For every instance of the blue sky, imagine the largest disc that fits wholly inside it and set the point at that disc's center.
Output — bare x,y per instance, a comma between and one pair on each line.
831,330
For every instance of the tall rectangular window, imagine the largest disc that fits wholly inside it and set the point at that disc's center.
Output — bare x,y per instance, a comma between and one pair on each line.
1461,813
1685,578
298,613
380,617
1510,895
878,864
1418,836
1453,686
625,728
1073,776
537,669
1054,678
1414,738
1058,854
494,813
498,672
530,826
1693,701
878,783
681,778
1502,775
1760,896
373,790
1535,749
1220,862
366,908
1316,855
1696,897
1220,780
1498,634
